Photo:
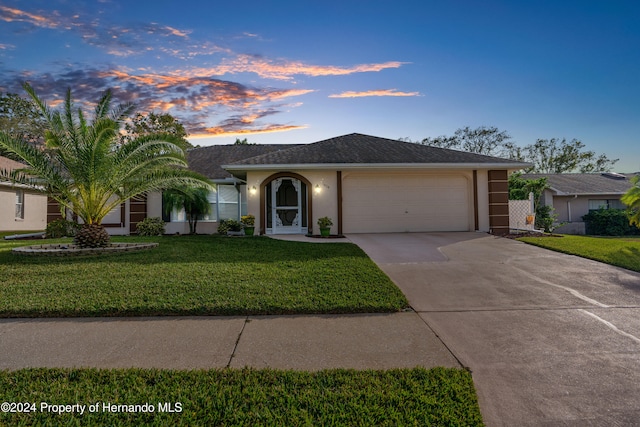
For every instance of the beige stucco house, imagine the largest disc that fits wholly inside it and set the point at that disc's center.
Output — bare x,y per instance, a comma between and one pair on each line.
21,209
573,195
365,184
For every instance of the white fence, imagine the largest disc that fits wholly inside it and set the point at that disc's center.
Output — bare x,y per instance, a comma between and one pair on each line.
522,214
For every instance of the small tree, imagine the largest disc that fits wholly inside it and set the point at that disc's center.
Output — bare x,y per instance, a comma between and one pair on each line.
21,119
153,123
562,156
194,201
86,169
489,141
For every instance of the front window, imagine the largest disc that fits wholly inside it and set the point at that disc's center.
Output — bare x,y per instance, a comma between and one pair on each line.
226,202
19,204
596,204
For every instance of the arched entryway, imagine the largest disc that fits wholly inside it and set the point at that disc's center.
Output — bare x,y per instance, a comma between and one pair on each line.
285,204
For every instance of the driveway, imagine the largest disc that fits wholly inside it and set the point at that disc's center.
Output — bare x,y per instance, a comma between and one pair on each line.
551,339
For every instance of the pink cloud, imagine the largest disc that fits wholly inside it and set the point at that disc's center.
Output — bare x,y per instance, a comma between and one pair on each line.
379,92
9,14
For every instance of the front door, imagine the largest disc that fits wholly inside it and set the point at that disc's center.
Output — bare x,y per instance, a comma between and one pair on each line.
286,206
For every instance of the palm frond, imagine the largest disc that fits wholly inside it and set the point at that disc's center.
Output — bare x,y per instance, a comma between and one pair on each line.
102,108
86,170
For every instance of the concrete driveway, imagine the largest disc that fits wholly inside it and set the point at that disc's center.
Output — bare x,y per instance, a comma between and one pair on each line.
551,339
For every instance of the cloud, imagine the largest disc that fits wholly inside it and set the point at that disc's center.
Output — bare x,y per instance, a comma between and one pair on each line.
9,14
198,101
286,70
116,40
199,97
225,131
379,92
174,31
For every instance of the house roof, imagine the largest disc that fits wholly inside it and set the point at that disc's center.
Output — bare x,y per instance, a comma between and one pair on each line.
207,161
363,150
9,164
585,183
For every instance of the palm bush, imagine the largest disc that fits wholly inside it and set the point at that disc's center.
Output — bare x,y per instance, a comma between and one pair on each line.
632,200
86,168
194,201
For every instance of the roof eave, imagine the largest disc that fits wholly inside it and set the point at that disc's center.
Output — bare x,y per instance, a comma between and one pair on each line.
227,180
344,166
591,193
8,184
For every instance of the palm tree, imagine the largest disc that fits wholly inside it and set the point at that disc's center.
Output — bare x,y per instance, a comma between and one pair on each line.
632,199
193,200
85,168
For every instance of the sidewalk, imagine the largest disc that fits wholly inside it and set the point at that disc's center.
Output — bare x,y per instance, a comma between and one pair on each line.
310,342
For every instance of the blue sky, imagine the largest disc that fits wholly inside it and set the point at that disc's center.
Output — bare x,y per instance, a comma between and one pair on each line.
298,71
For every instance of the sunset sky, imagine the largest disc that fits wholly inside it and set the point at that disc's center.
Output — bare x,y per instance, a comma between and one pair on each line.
302,71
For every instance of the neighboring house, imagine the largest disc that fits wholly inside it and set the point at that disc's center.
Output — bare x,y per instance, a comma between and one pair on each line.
21,209
573,195
367,184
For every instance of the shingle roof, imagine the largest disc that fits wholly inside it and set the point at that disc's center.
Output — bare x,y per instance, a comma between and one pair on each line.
585,183
364,149
9,164
207,160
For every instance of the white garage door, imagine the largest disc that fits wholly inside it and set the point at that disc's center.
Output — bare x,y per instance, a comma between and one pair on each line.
374,203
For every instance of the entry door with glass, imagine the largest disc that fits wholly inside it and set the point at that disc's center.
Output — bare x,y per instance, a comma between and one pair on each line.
286,206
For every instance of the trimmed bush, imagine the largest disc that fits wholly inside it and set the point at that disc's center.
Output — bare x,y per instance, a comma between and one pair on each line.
151,227
609,222
229,225
61,228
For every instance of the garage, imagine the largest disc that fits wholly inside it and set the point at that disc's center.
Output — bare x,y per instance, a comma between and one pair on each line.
386,202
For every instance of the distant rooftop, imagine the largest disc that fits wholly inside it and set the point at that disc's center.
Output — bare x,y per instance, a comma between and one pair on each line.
585,183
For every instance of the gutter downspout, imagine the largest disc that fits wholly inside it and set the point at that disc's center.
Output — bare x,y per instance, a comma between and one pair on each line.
235,185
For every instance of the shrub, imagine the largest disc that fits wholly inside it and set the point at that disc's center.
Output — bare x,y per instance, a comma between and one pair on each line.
545,218
609,222
229,225
151,227
325,222
61,228
248,220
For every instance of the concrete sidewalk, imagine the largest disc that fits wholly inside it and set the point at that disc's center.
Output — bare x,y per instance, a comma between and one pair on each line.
314,342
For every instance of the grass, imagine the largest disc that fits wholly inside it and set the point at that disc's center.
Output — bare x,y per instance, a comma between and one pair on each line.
247,397
197,275
621,252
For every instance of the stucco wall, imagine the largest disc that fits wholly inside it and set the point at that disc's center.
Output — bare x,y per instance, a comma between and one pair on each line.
324,187
322,193
572,209
35,211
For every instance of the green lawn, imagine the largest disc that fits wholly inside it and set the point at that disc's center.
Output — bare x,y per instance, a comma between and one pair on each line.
219,275
621,252
246,397
197,275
